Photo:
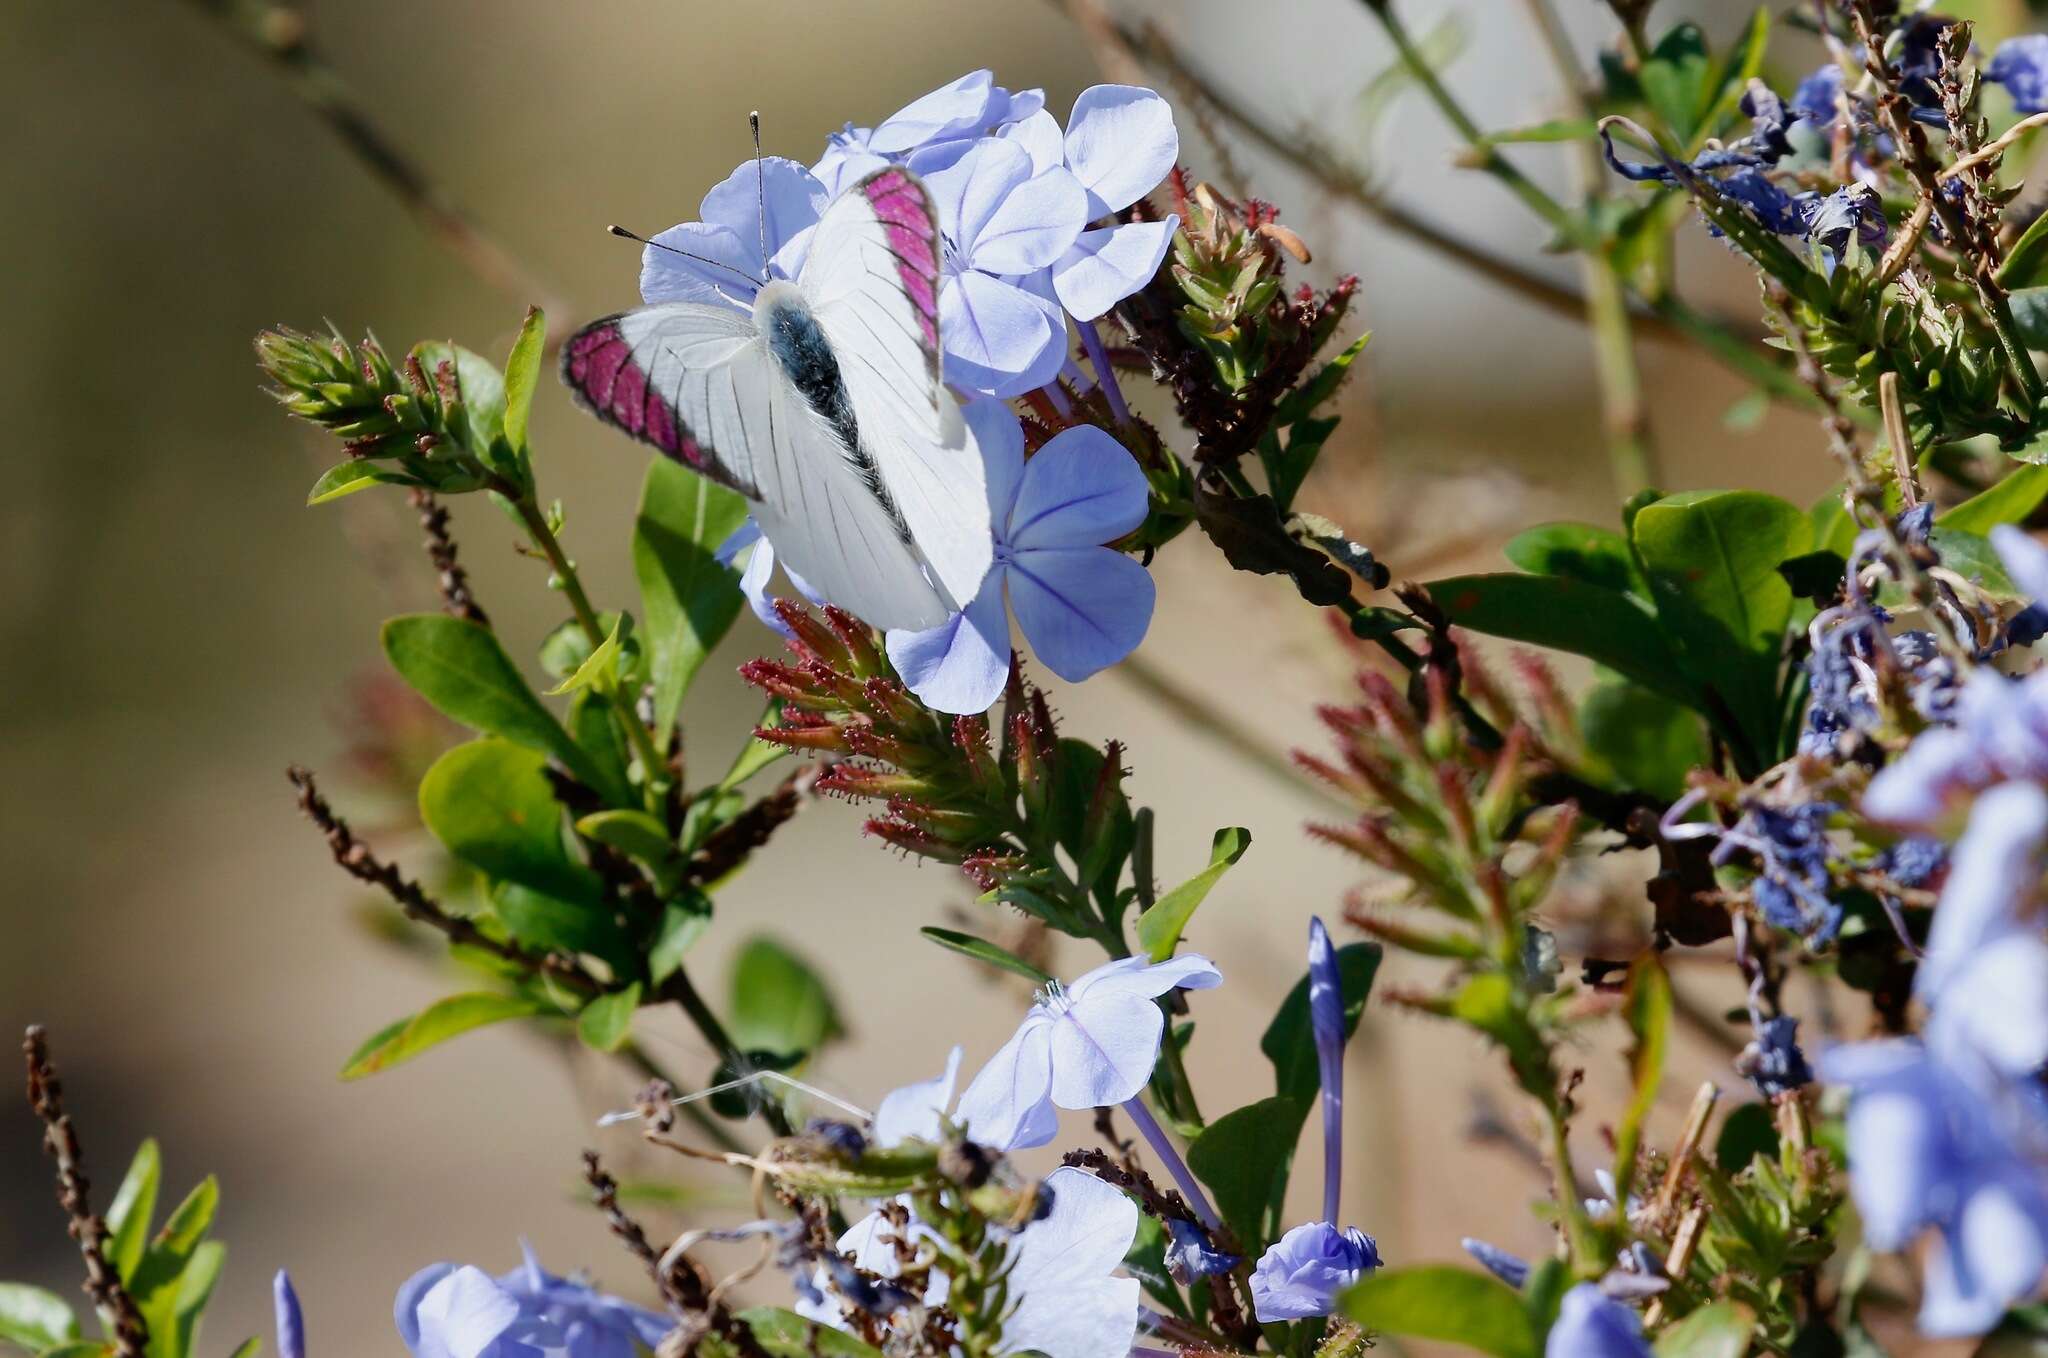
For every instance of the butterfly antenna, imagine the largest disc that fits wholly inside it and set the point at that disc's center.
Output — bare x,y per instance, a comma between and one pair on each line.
760,189
752,1077
624,234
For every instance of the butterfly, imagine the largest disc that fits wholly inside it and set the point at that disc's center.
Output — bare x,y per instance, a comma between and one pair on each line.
824,407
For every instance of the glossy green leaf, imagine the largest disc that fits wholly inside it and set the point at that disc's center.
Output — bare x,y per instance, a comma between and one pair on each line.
981,950
358,473
490,804
178,1257
195,1289
1446,1304
599,670
550,924
1159,929
563,651
1566,615
778,1003
595,729
522,375
439,1021
1720,1329
683,922
1648,742
1712,562
1289,1041
785,1334
34,1318
459,667
2010,501
687,598
134,1206
1243,1157
607,1021
2026,259
633,833
1578,551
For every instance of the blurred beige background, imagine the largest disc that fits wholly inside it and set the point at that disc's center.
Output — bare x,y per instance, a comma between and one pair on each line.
178,627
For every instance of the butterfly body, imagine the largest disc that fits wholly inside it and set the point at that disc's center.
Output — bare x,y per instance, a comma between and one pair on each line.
823,406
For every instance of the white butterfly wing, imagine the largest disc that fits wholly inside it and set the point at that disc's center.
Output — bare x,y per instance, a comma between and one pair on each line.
871,278
698,382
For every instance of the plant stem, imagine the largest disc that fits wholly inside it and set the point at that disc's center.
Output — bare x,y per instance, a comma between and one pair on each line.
1105,373
1184,1178
656,768
1485,156
1629,451
1578,1227
679,988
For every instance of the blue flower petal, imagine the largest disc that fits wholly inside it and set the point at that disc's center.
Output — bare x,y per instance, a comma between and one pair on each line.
961,665
1121,142
669,276
1081,608
998,339
1109,263
947,111
1081,489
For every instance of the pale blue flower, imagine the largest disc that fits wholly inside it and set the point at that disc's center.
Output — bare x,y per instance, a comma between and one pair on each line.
1120,143
1081,606
778,192
1068,1301
1304,1270
2021,65
999,222
1985,973
291,1322
760,569
928,133
1936,1141
446,1311
1590,1324
1086,1045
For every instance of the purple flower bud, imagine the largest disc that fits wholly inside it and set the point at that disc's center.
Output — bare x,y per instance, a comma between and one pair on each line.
1773,1062
2021,65
1510,1269
291,1324
1326,1021
1304,1270
1189,1255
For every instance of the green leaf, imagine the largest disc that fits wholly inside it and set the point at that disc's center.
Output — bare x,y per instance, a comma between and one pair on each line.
1303,401
1721,1329
35,1319
1648,1009
1712,561
981,950
1487,1003
688,599
490,804
134,1204
1579,551
607,1021
785,1334
599,670
683,922
2026,259
1678,81
551,924
634,833
195,1288
1747,1132
1244,1156
597,734
439,1021
480,388
778,1003
248,1348
1447,1304
522,375
1567,615
2010,501
1159,929
1971,556
459,667
1648,741
87,1348
1289,1041
178,1257
358,473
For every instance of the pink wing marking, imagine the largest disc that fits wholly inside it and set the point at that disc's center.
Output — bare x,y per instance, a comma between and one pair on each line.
599,367
904,209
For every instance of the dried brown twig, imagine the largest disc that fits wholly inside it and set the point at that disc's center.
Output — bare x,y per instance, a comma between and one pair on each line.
449,574
119,1315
